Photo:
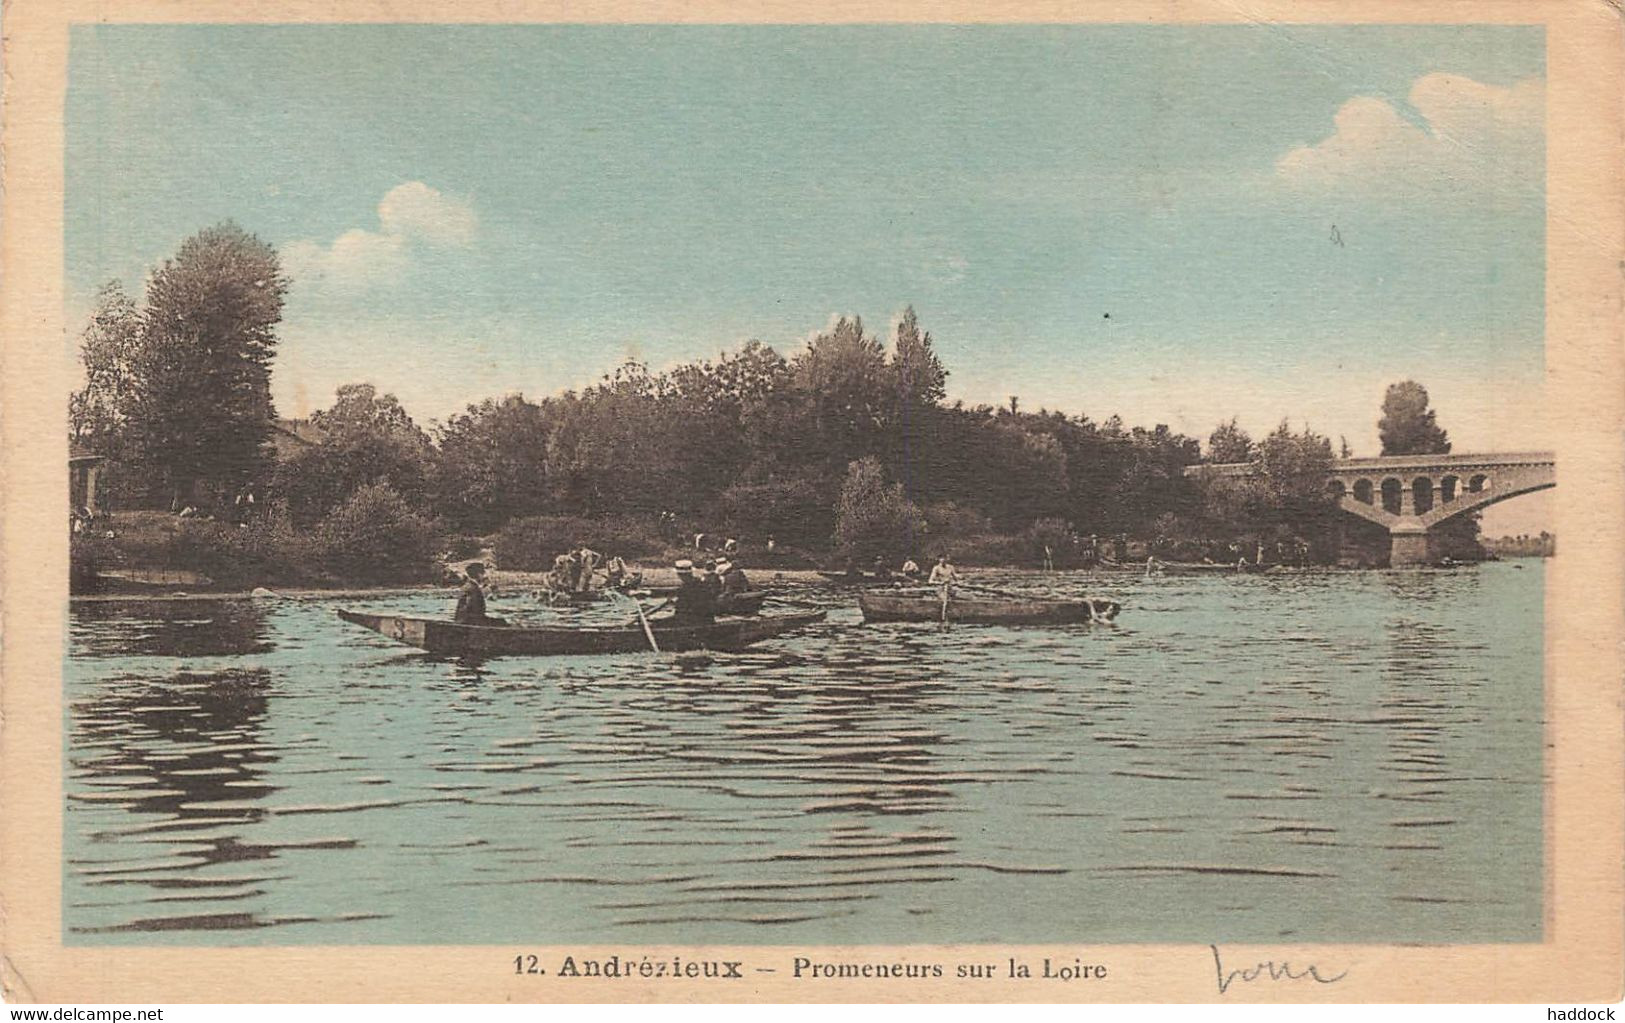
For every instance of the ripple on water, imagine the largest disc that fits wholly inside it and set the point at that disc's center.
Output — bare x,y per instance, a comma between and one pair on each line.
1232,746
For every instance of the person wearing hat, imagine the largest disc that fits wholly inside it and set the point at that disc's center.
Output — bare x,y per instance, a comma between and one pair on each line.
734,583
471,601
696,600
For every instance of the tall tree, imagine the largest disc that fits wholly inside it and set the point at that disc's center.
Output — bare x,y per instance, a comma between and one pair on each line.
1229,443
920,376
1407,426
196,400
840,381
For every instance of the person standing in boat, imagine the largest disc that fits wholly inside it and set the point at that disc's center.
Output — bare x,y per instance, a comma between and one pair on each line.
590,560
471,600
943,574
696,601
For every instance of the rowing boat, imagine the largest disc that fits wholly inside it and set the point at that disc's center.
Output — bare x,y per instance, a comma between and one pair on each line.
879,606
442,637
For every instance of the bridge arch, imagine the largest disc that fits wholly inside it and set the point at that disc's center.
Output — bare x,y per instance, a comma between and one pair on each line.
1422,495
1392,495
1363,490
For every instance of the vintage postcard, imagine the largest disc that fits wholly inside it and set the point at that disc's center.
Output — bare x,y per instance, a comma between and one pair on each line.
885,502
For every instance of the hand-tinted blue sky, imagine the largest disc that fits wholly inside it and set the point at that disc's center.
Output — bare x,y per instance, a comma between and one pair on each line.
1177,224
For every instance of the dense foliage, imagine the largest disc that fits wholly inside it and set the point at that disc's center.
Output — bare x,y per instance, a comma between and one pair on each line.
845,448
178,389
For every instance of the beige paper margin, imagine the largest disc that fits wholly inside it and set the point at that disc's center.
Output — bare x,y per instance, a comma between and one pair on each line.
1580,957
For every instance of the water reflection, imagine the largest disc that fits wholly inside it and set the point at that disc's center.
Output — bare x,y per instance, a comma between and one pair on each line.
1315,756
169,628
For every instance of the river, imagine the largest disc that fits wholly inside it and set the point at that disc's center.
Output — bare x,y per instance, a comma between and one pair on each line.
1303,757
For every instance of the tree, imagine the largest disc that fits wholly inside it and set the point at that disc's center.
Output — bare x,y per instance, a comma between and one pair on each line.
1229,443
185,381
96,411
366,440
1407,426
840,381
359,411
493,462
920,377
873,518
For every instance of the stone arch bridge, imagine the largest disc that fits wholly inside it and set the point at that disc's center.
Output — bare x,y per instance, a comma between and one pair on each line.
1409,495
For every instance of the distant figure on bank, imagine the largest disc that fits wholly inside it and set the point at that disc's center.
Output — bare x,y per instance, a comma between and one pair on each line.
730,546
772,546
696,601
471,600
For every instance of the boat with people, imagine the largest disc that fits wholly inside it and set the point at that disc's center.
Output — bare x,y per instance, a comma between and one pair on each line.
982,608
438,636
746,603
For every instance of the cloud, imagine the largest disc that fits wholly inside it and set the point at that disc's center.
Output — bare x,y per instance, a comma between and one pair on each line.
1484,141
410,216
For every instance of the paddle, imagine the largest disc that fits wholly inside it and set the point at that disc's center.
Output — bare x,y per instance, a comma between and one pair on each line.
644,619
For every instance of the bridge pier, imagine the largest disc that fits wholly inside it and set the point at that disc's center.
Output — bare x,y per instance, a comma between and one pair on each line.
1408,545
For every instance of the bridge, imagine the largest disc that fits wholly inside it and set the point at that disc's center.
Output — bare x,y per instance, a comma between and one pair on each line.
1409,495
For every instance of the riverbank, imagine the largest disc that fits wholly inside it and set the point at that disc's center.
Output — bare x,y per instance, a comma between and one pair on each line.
506,583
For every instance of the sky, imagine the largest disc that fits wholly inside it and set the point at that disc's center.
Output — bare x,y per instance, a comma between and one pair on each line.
1172,224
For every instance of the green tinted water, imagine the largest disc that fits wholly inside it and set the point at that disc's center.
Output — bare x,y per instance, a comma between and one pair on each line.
1319,757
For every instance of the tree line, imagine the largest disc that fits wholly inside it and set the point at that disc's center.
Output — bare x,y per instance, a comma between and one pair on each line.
848,445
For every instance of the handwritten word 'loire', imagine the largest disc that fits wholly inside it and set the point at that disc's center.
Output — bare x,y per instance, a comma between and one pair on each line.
1270,969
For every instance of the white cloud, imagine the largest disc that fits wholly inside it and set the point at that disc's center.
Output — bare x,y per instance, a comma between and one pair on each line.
409,215
414,210
1482,140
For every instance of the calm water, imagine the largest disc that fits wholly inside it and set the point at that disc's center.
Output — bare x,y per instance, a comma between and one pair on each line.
1344,757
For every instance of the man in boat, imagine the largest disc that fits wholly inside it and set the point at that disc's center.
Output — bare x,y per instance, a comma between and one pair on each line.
471,600
562,578
615,573
589,560
882,573
911,569
943,574
696,601
734,583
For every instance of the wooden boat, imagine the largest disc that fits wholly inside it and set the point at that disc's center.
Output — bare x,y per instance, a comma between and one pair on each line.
746,603
917,606
449,638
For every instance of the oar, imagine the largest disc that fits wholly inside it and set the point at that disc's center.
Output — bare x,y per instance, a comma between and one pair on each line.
643,618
